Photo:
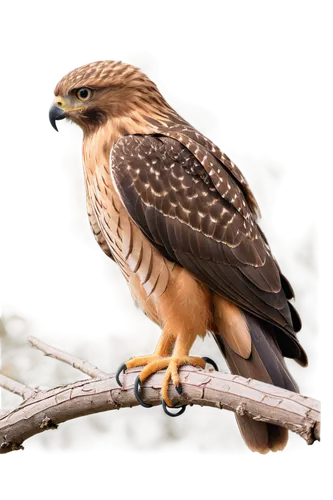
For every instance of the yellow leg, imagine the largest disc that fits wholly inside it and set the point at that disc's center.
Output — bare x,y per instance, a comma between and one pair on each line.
163,350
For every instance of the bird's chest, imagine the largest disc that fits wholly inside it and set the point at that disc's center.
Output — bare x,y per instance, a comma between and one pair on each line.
145,269
107,216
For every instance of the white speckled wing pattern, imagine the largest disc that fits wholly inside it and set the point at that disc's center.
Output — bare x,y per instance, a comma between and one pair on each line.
215,162
207,228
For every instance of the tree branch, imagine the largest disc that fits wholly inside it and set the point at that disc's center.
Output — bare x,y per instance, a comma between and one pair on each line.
42,410
16,387
75,362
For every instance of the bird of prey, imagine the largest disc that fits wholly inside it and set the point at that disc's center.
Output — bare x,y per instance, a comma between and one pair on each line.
179,219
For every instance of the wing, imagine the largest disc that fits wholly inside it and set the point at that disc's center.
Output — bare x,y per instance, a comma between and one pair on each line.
173,200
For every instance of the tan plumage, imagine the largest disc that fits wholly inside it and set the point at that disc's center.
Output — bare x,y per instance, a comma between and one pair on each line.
179,219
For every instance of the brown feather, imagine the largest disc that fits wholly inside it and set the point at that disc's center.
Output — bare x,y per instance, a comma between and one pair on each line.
173,200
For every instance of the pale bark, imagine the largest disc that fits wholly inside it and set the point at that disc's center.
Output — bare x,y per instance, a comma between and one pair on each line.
42,410
63,356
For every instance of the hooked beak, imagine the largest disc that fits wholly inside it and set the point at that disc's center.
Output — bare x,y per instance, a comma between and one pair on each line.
56,113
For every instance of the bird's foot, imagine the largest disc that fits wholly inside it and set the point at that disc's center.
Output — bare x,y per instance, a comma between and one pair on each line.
155,363
134,363
172,375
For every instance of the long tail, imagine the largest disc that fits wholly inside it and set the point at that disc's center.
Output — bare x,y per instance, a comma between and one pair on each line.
250,350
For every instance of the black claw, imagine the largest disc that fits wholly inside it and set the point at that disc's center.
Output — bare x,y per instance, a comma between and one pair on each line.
179,389
165,408
137,384
211,362
120,370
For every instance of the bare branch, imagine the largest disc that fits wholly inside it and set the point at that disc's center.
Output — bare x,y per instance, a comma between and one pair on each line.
46,409
16,387
77,363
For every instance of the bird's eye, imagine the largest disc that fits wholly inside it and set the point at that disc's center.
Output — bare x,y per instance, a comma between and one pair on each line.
83,94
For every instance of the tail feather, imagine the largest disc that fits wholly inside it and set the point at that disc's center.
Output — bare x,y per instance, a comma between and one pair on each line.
266,363
258,436
269,353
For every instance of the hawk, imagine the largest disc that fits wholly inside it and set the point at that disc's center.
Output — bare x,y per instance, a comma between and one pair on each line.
179,219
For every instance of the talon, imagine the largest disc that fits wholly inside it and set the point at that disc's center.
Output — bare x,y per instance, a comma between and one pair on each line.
179,388
137,384
120,370
165,408
211,362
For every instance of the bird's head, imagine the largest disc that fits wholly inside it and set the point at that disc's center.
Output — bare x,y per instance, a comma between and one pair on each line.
97,92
